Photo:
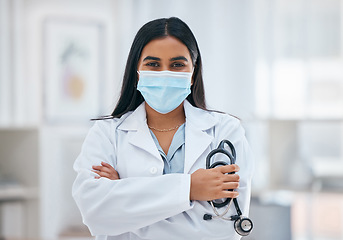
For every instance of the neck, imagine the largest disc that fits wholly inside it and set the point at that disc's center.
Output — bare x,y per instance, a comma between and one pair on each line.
164,121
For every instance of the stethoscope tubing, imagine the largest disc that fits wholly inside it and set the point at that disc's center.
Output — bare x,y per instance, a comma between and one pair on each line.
232,157
239,220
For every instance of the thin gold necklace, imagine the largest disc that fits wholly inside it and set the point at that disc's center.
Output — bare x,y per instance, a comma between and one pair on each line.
165,130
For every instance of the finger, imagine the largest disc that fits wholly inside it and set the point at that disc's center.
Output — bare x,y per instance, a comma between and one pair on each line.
230,194
229,168
105,174
230,185
101,173
113,175
103,169
97,168
108,170
106,165
96,171
231,178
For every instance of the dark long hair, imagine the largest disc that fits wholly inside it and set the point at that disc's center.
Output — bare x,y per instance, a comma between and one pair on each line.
130,97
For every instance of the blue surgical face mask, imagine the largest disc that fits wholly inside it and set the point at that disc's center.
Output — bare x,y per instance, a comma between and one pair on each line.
164,90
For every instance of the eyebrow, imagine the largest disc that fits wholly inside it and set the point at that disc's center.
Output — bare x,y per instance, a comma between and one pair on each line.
151,58
179,58
159,59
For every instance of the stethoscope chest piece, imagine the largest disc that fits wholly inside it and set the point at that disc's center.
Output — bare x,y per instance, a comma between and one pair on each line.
243,226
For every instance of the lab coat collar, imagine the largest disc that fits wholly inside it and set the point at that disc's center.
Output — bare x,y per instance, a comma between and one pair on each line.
138,131
134,120
197,140
199,118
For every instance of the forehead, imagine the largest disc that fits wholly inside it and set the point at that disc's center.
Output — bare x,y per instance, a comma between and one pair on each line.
166,47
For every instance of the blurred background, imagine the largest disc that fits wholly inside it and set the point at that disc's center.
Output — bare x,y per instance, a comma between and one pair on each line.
276,64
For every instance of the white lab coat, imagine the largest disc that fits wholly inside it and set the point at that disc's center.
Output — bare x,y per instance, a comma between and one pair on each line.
144,203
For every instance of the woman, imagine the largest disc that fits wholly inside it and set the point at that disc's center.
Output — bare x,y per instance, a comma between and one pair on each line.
141,172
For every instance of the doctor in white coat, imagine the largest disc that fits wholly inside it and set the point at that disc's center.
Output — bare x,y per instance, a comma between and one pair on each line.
141,173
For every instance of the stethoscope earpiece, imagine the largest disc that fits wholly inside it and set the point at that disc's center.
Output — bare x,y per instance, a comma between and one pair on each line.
243,226
207,217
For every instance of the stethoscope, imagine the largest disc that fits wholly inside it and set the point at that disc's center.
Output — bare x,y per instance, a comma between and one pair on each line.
242,225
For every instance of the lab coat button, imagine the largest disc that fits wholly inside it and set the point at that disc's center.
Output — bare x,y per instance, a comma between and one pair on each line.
153,170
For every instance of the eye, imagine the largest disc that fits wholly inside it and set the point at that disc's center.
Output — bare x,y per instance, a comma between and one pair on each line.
177,65
152,64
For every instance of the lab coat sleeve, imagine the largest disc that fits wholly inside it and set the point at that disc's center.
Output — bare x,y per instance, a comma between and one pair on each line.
248,162
113,207
244,159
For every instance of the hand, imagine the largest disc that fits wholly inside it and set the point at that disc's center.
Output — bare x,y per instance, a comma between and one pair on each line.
105,170
210,184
